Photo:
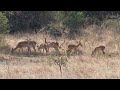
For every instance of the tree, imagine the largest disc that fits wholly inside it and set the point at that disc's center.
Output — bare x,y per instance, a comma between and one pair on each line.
4,25
26,21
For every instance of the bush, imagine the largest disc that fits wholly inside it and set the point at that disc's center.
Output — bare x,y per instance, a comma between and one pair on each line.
4,26
74,20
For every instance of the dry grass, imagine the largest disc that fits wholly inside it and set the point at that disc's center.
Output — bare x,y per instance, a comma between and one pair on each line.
40,66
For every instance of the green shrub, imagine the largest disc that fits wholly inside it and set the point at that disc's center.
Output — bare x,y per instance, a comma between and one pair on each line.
4,26
74,20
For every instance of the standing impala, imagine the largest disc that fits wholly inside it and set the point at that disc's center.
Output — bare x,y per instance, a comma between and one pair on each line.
54,45
49,45
42,46
27,44
73,47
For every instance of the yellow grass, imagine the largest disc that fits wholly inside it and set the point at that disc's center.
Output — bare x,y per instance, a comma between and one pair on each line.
83,66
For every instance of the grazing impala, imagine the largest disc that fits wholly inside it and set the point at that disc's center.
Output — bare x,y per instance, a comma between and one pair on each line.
42,46
98,49
27,44
73,47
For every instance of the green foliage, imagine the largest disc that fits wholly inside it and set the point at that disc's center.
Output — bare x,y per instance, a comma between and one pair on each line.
57,60
71,19
60,61
75,19
28,21
4,25
59,15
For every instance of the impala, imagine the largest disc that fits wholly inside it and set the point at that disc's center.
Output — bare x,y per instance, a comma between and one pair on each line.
73,47
49,45
27,44
54,45
98,49
42,46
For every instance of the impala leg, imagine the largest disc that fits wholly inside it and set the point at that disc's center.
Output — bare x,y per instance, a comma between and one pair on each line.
68,52
28,51
58,52
93,53
34,48
103,52
22,50
12,51
46,49
19,50
75,51
43,50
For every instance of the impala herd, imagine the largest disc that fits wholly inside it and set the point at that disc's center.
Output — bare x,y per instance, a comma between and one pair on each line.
55,45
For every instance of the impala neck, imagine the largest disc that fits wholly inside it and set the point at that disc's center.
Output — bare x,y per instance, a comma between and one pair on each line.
79,44
15,48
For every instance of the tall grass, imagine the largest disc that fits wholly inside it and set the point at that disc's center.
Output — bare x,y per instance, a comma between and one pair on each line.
76,67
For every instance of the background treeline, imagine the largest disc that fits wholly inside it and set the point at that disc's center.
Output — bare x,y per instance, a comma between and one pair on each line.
33,21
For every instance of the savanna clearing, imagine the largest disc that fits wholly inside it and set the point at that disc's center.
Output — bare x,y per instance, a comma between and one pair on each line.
51,66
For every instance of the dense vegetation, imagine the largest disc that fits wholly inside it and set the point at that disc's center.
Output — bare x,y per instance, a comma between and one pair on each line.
32,21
